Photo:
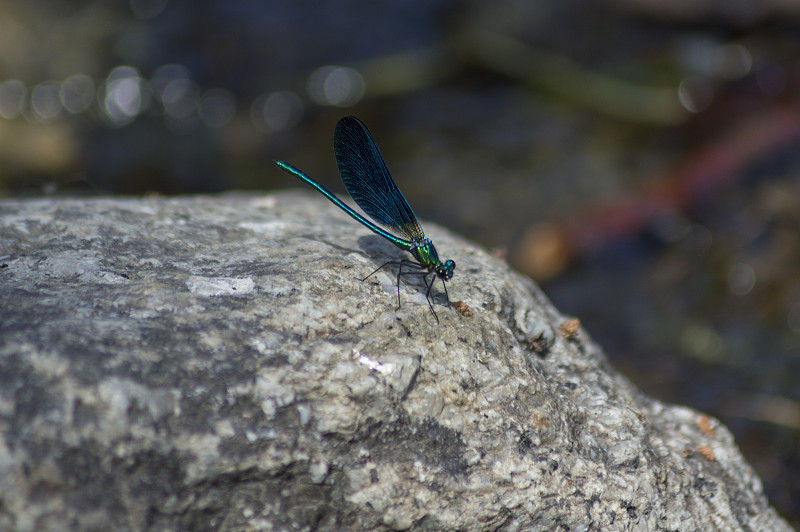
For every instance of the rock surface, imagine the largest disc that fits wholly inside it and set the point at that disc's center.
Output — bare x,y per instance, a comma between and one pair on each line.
217,364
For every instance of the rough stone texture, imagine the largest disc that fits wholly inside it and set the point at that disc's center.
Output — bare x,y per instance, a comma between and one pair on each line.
217,364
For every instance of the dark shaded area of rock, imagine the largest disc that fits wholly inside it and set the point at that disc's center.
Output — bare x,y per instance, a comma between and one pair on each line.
218,364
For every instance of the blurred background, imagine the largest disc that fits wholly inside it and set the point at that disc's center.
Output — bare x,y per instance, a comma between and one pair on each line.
639,159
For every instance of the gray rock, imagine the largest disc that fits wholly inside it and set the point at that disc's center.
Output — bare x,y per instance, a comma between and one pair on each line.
218,364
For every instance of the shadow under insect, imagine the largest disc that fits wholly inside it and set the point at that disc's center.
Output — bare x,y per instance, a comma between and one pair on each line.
379,250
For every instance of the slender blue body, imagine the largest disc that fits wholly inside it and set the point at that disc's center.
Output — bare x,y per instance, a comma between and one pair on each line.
369,183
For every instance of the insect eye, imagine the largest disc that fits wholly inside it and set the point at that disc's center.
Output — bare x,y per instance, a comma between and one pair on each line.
446,271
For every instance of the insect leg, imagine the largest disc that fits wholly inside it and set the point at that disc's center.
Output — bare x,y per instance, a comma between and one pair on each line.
400,272
429,286
379,268
417,266
445,291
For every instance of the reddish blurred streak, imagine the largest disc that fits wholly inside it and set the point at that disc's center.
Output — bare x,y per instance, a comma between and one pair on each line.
754,138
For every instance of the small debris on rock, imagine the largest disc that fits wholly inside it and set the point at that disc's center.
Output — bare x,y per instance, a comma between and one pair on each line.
570,328
462,307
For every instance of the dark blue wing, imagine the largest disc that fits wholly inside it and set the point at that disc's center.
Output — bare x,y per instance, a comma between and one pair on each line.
368,181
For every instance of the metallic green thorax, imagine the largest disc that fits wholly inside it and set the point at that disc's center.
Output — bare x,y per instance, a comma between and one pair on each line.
425,253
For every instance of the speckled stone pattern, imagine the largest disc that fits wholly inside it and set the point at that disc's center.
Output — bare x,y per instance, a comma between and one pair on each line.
217,363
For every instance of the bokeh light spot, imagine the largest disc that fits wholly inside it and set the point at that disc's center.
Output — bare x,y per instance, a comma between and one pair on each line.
125,95
333,85
45,101
736,61
180,98
695,94
278,111
166,74
12,98
77,93
702,342
741,279
793,318
216,107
